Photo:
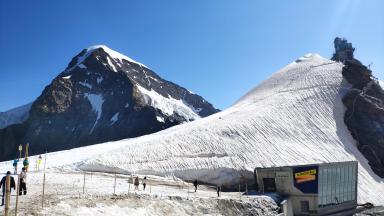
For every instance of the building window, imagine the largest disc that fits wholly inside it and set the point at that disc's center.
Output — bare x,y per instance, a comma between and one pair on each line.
337,184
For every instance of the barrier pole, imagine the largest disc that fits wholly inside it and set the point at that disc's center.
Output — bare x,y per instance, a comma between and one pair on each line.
84,184
239,192
7,194
114,186
45,163
150,186
17,195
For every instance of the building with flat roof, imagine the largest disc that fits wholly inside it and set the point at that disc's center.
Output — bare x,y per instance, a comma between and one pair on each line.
315,189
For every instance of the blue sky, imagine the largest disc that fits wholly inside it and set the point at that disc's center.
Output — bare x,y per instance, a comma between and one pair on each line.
219,49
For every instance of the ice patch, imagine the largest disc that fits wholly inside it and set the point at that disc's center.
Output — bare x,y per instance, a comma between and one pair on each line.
160,119
99,80
114,118
67,77
169,105
97,104
86,84
82,66
111,64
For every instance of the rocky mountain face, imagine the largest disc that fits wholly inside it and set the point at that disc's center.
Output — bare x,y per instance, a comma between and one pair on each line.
101,96
14,116
364,101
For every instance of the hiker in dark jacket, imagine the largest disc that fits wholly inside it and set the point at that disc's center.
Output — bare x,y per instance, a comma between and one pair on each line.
218,189
195,184
136,183
144,182
2,185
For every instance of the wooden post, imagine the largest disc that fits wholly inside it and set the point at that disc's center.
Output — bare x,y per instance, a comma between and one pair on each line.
7,194
246,189
188,192
26,150
84,184
114,186
17,195
239,191
43,195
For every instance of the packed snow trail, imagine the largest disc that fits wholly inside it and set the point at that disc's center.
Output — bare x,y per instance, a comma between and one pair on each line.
294,117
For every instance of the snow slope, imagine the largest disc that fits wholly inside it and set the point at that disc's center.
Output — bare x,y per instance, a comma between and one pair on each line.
294,117
14,116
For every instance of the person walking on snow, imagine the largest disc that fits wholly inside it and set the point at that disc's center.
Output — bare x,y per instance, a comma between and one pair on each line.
26,164
136,183
23,182
2,185
195,184
39,160
15,162
144,182
218,188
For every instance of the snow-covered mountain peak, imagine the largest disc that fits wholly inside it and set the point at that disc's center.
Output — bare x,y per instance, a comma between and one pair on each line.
311,57
284,79
114,54
112,58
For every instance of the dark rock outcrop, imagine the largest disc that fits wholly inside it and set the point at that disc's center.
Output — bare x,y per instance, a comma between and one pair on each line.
364,116
101,96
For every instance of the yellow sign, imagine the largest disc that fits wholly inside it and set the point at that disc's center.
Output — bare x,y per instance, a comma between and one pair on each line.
305,176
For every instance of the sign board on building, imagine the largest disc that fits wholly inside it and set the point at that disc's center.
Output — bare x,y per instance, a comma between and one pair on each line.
306,178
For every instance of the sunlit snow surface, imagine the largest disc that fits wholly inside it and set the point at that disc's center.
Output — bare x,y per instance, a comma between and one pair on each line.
294,117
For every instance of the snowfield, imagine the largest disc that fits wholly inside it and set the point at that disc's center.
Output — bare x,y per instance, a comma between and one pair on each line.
294,117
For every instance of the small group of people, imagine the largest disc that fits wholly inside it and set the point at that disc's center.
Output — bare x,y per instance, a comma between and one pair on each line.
137,183
39,160
22,186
